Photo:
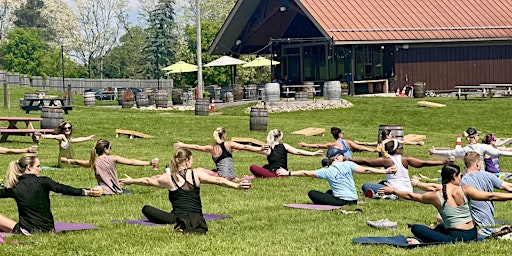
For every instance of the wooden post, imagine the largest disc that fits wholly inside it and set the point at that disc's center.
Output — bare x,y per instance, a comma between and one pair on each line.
7,96
68,100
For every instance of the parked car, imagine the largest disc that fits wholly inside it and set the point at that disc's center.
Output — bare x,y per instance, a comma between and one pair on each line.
102,94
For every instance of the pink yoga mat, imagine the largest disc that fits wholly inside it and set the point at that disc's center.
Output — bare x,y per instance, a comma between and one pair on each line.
65,226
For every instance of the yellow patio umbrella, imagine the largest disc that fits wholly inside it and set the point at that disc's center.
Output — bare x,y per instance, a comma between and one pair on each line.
181,66
182,70
259,62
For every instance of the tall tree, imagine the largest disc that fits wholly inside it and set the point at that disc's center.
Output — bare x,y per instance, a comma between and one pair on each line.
23,51
29,16
161,38
7,17
62,22
99,27
126,60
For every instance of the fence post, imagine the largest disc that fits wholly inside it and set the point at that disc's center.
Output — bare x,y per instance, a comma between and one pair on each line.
7,96
69,95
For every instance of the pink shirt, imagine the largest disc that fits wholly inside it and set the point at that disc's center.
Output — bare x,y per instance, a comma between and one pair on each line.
106,175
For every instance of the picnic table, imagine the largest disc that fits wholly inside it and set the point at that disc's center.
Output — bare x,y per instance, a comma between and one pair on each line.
508,87
13,129
482,90
38,103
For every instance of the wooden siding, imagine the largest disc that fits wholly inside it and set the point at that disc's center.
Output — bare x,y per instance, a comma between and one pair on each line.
442,68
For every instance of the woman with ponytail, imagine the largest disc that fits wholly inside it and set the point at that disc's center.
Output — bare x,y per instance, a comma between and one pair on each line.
492,163
32,195
452,203
222,153
277,155
183,185
104,166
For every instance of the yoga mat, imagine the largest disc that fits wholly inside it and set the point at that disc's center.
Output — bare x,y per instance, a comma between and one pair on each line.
244,178
66,226
2,240
144,221
398,241
317,206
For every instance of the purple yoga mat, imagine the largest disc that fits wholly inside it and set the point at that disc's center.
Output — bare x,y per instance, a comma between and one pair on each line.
313,206
65,226
2,240
144,221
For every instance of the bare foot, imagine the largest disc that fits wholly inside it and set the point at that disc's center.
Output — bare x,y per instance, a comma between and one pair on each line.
412,241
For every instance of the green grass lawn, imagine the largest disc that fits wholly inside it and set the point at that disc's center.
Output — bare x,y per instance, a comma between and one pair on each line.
259,224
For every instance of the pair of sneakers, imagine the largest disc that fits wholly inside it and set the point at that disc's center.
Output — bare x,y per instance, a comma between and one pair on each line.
383,223
370,194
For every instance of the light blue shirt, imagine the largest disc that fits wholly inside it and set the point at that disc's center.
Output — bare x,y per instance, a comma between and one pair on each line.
341,181
482,211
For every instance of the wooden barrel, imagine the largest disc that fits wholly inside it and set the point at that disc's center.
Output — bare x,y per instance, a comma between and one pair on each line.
272,92
396,130
177,96
202,107
332,90
259,119
119,95
89,99
228,97
161,98
51,117
141,99
28,95
151,96
301,96
238,92
127,104
419,89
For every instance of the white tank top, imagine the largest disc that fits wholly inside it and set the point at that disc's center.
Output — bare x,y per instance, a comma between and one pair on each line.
399,181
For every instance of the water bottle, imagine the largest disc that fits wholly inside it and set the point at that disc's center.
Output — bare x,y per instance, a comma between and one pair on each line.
167,169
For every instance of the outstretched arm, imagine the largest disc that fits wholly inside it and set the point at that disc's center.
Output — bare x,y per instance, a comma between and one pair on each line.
206,149
366,143
82,139
374,162
32,149
128,161
352,144
458,153
326,145
160,181
238,146
478,195
425,198
83,163
426,186
490,150
303,173
371,170
295,151
203,177
59,137
418,163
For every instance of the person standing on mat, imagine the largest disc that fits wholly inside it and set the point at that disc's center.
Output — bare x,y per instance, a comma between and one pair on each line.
472,136
63,136
339,143
183,185
222,153
31,149
339,175
32,195
453,205
104,166
399,181
277,155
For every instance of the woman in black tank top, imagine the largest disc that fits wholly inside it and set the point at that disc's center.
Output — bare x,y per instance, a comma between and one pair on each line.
277,155
184,194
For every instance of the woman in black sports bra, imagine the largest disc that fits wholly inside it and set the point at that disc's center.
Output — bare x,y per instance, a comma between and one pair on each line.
184,194
221,153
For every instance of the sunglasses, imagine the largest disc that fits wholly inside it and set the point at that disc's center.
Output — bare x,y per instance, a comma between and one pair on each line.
67,128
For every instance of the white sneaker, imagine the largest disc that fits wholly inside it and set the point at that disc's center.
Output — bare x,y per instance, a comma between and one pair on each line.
384,223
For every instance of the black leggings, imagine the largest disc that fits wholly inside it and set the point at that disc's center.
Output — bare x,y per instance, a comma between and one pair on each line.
442,234
158,216
327,198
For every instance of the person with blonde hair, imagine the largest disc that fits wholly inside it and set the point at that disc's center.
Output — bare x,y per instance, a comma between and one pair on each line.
183,185
65,140
222,153
452,203
31,149
104,166
277,155
32,195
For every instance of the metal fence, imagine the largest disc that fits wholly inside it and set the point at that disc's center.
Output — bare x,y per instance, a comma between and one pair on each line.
79,85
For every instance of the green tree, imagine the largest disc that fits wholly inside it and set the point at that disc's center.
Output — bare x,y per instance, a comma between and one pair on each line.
127,59
29,16
52,65
24,50
161,38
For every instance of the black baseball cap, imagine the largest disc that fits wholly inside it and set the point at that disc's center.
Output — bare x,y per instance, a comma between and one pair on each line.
471,131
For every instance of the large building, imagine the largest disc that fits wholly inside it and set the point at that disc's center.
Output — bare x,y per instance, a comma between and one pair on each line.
443,43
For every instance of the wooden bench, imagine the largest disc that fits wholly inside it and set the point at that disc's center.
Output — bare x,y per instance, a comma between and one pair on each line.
6,132
502,89
132,134
480,90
